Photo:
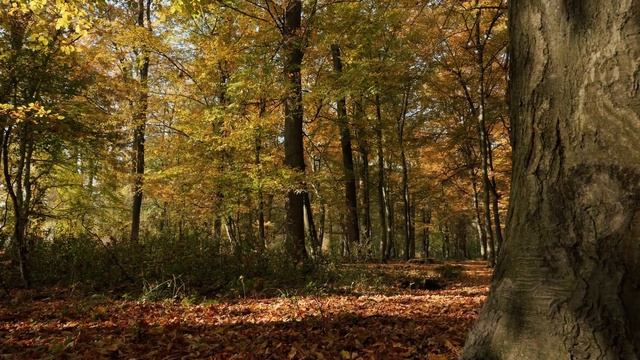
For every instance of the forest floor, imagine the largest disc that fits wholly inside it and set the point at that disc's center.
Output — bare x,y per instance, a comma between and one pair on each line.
382,312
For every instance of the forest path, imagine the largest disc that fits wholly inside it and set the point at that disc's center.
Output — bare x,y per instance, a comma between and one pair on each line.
385,318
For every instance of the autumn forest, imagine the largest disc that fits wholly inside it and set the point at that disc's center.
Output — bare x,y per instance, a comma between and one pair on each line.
319,179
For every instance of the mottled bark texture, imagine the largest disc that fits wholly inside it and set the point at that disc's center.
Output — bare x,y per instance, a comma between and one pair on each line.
567,282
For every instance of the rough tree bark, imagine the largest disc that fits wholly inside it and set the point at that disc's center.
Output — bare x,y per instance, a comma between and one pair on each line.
351,196
566,283
293,134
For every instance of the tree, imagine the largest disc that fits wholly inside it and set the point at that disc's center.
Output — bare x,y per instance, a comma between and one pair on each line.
474,44
40,73
566,282
406,224
294,114
351,197
140,120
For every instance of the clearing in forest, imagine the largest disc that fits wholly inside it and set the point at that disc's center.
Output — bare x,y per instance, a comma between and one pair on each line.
384,312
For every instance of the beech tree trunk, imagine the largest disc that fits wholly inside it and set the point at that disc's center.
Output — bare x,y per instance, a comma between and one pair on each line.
412,230
17,175
140,123
483,135
476,206
363,146
446,248
351,196
566,283
293,134
262,244
495,201
382,194
406,224
391,220
19,188
311,226
426,222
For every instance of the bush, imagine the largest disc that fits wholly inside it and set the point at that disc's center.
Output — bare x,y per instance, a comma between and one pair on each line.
164,268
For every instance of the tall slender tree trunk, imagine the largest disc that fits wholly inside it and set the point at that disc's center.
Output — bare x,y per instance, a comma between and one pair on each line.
140,123
18,186
495,203
476,206
351,197
258,146
382,194
406,224
217,234
18,183
482,132
406,207
391,220
426,222
311,226
319,236
363,146
412,230
293,133
566,282
444,230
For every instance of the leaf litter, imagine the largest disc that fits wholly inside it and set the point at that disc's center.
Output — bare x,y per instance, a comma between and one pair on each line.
386,321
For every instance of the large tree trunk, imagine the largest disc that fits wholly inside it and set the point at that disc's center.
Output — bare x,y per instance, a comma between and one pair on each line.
351,196
293,135
140,123
566,283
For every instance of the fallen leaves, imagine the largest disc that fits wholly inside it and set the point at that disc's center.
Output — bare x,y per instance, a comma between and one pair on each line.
401,323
